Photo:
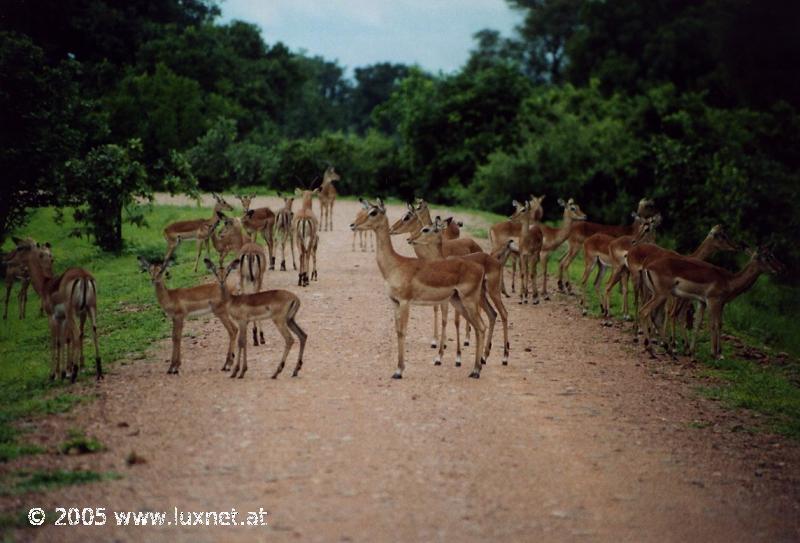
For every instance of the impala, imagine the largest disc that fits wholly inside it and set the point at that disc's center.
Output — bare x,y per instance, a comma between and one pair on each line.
230,239
259,220
421,210
501,232
305,230
604,251
641,253
66,297
712,286
416,281
180,303
617,250
412,222
195,229
252,267
280,306
327,197
552,238
530,246
428,244
283,229
16,270
582,230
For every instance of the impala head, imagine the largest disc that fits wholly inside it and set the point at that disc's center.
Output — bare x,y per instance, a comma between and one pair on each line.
450,220
519,210
428,235
288,201
720,240
246,200
30,248
157,270
537,211
221,204
409,222
572,210
646,208
373,217
766,260
647,229
330,176
221,274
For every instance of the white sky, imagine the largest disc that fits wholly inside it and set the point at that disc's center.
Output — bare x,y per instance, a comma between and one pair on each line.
436,34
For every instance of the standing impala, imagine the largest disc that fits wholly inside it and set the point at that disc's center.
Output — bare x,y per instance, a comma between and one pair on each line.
280,306
552,238
530,246
283,229
180,303
582,230
415,281
68,296
260,220
428,244
305,230
700,281
16,270
252,267
501,232
412,222
198,229
327,197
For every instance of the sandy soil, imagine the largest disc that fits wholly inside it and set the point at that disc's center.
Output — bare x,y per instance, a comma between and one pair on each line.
579,438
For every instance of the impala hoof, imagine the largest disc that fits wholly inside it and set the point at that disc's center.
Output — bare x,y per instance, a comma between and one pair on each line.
437,362
433,345
535,302
584,312
458,363
397,376
283,266
466,343
475,375
505,362
294,373
483,361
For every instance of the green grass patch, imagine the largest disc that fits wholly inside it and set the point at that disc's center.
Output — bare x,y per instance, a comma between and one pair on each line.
23,481
129,319
79,443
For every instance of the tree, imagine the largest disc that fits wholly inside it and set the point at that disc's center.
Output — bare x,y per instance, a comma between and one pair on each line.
108,180
374,85
45,120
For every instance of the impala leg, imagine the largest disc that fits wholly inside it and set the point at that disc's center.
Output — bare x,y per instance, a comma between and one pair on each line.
9,286
443,338
513,272
291,246
471,312
23,298
400,325
81,326
588,266
268,236
563,268
354,241
601,272
241,363
625,276
314,260
177,333
302,336
233,331
534,287
457,323
53,347
613,280
544,256
434,343
497,299
491,314
288,340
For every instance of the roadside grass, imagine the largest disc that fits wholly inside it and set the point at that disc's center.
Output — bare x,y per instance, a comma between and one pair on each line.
129,319
79,443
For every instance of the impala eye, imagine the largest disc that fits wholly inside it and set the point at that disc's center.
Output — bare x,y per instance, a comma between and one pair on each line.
373,212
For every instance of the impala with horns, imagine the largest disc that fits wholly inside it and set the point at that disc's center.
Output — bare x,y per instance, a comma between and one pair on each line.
416,281
197,229
280,306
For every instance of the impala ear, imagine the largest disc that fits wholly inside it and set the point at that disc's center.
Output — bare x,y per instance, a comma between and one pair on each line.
298,192
144,264
210,266
380,205
364,203
562,203
460,224
47,244
410,206
231,267
514,203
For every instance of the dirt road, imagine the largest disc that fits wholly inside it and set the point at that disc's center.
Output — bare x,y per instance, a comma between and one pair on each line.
579,438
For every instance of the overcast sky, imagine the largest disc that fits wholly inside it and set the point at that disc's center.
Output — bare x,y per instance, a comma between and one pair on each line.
436,34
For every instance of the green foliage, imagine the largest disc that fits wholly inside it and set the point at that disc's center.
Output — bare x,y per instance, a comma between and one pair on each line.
109,180
78,443
22,482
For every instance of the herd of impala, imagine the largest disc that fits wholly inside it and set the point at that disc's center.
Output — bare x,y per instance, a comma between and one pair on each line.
448,270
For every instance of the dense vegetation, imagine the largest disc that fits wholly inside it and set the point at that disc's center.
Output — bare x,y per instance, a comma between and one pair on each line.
694,103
